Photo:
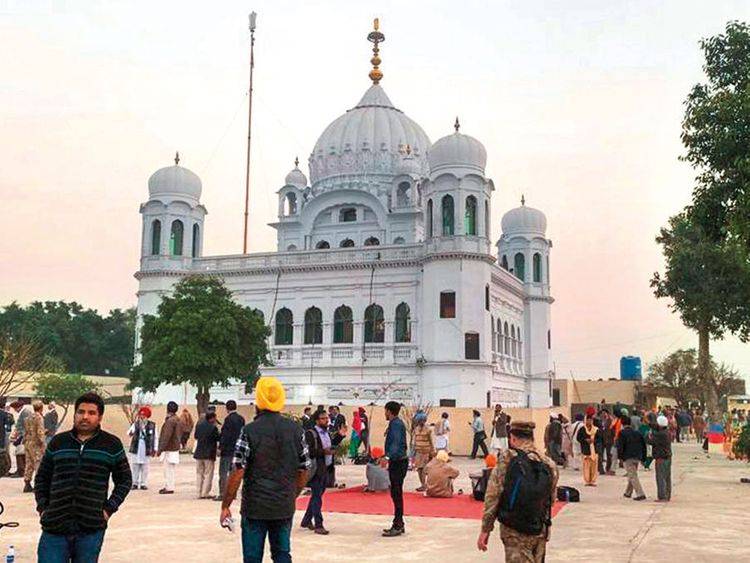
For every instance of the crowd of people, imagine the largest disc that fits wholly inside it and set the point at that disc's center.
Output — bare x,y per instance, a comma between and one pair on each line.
276,457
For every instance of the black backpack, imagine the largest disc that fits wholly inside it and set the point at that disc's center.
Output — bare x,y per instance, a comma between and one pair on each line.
526,502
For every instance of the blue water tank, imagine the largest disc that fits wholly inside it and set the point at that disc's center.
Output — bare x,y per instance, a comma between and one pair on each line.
630,368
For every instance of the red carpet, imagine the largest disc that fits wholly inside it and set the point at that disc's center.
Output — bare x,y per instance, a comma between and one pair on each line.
355,501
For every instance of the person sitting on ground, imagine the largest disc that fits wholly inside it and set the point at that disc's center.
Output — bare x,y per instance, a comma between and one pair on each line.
377,476
439,476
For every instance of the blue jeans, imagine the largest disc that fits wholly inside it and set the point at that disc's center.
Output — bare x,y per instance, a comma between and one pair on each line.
254,540
314,514
75,548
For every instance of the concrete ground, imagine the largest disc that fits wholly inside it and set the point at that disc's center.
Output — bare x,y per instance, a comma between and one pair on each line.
706,521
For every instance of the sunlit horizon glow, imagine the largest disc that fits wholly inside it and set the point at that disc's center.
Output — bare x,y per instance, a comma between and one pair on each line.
578,104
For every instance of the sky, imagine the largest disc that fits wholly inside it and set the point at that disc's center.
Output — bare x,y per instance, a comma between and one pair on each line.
579,105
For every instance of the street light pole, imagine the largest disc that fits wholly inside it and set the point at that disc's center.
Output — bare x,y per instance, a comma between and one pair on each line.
252,19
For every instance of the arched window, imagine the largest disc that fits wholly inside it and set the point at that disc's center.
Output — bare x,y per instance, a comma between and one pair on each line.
402,195
291,247
196,239
290,204
429,218
372,241
313,326
175,238
487,297
470,216
399,240
519,266
506,340
547,264
448,216
156,237
499,333
504,262
322,245
284,327
346,243
260,314
343,331
403,323
513,340
537,266
486,219
492,329
374,324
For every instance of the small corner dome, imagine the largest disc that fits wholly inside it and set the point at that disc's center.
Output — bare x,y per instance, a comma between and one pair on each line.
409,165
176,181
457,151
296,178
524,220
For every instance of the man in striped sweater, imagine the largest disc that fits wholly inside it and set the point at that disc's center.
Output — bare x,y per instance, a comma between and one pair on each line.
72,486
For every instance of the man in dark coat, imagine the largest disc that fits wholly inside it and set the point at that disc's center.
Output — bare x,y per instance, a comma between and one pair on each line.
631,448
230,432
206,440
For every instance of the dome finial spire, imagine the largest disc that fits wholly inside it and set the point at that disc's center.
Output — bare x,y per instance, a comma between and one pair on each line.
457,125
296,162
375,37
523,200
176,158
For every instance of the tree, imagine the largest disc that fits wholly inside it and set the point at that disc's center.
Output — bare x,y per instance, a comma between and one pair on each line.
678,375
63,389
707,283
81,338
716,134
21,358
201,336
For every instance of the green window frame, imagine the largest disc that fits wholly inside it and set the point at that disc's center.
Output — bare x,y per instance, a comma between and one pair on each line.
343,326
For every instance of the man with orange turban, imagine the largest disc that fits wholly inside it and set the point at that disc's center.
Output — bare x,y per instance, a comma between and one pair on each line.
271,462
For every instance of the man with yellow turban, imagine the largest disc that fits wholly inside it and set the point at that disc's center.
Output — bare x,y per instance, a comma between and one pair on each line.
271,461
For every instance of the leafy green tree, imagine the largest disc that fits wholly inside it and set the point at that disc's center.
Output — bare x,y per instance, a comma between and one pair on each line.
63,389
83,340
706,283
201,336
716,134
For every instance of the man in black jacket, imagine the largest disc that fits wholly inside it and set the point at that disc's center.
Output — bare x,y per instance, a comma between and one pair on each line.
206,439
631,448
321,446
271,462
72,486
230,432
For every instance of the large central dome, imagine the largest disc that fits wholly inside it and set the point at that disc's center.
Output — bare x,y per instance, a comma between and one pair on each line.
369,139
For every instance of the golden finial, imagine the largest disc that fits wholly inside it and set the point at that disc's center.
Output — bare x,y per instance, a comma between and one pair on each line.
408,150
523,200
176,158
296,162
457,125
376,37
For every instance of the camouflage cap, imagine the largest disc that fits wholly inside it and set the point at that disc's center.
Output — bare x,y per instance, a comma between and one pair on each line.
522,427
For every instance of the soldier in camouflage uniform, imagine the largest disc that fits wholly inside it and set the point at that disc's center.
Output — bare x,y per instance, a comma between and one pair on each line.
519,548
34,443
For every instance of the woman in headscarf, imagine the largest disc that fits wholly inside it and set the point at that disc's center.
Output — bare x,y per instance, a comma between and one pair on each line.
356,436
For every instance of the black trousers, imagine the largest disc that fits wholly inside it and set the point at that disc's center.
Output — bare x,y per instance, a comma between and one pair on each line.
397,473
605,465
478,443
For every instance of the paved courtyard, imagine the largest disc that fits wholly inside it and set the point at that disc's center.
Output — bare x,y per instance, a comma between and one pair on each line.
706,521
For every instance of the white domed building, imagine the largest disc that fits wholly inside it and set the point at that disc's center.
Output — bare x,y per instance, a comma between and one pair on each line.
384,285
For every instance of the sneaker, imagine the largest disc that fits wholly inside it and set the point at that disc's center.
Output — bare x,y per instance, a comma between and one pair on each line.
134,487
144,488
309,526
642,497
165,492
393,532
626,495
321,531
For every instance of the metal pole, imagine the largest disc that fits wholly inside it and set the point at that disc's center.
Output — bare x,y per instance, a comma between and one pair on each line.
249,129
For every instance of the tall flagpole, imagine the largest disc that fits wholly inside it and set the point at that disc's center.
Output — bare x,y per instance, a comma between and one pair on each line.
252,18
